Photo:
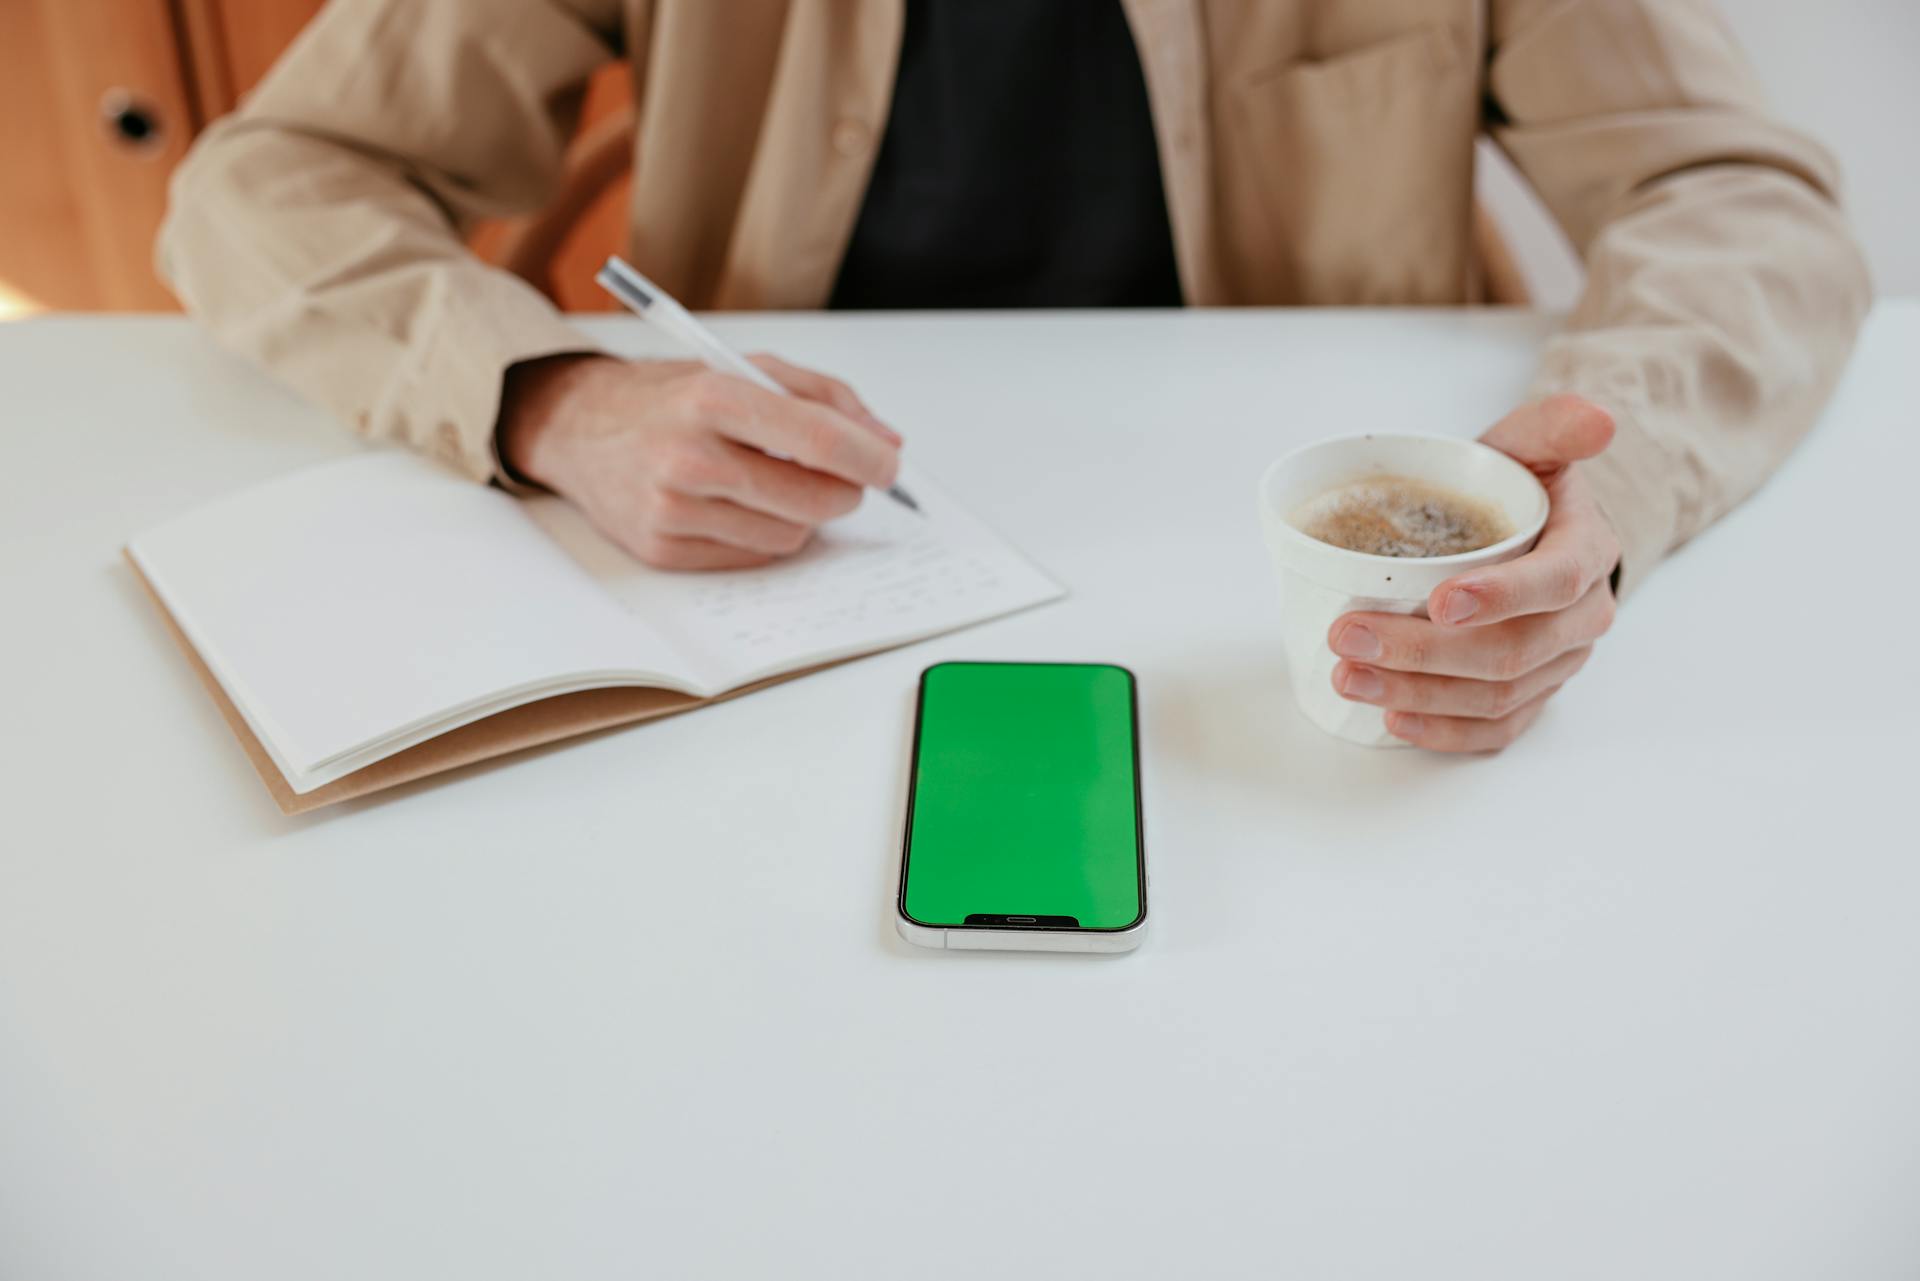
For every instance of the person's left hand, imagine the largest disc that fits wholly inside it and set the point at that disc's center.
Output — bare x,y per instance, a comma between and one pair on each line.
1499,641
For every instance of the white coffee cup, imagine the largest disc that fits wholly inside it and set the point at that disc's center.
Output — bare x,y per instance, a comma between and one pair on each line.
1319,581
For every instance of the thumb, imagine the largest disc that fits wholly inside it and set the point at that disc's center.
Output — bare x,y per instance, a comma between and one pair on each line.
1548,434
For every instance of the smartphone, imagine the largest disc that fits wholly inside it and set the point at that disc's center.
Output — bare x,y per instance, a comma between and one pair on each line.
1023,823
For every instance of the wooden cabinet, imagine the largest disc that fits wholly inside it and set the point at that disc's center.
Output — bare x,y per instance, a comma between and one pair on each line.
114,91
102,98
99,108
233,42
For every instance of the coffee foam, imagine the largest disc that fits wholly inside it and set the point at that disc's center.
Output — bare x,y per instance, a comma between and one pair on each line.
1400,516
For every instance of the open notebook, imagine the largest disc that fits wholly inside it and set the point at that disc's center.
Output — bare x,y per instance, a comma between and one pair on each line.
378,609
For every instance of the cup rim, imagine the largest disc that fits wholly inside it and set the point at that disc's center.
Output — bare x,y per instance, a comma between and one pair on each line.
1519,538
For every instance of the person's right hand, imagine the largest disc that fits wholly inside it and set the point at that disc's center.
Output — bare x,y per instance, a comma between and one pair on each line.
673,461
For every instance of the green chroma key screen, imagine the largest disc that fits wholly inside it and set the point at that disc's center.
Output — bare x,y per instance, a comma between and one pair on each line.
1025,797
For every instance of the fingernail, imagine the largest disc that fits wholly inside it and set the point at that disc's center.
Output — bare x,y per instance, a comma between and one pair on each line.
1363,683
1356,641
1459,606
1406,724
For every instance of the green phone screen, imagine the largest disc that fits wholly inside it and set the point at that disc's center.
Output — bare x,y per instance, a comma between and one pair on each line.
1024,797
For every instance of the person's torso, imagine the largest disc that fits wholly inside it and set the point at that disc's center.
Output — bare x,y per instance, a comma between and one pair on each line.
1043,192
1312,151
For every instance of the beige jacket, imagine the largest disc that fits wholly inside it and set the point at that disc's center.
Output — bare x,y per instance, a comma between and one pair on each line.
1314,152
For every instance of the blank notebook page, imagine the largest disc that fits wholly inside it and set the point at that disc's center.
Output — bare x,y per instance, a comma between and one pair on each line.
352,601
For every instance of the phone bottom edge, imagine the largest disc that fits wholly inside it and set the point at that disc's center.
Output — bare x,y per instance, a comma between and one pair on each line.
977,940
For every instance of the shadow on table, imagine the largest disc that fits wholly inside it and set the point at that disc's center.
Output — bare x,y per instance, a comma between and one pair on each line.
1230,718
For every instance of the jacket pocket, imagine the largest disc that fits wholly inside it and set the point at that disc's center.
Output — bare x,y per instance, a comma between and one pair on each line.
1364,162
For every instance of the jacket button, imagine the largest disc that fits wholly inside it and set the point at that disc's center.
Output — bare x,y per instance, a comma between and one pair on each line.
851,138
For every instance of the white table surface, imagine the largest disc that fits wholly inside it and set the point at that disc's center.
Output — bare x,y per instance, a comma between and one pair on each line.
1639,998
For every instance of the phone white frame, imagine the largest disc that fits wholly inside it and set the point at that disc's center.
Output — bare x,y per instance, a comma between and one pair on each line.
974,938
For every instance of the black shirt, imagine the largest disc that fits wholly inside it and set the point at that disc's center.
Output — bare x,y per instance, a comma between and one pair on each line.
1018,167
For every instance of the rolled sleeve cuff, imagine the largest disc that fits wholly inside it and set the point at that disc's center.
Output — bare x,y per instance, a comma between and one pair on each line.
483,322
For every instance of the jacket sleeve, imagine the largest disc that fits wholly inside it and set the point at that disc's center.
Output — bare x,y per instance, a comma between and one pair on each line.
1724,289
318,229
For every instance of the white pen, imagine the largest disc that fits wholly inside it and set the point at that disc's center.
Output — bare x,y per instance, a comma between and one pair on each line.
653,304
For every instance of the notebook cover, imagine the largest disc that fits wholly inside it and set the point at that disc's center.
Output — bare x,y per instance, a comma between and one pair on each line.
514,730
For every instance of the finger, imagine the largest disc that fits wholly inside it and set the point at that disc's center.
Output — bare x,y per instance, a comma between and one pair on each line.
815,385
1577,548
670,551
706,466
772,485
811,434
1498,652
1459,734
1550,433
717,520
1405,643
1452,695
